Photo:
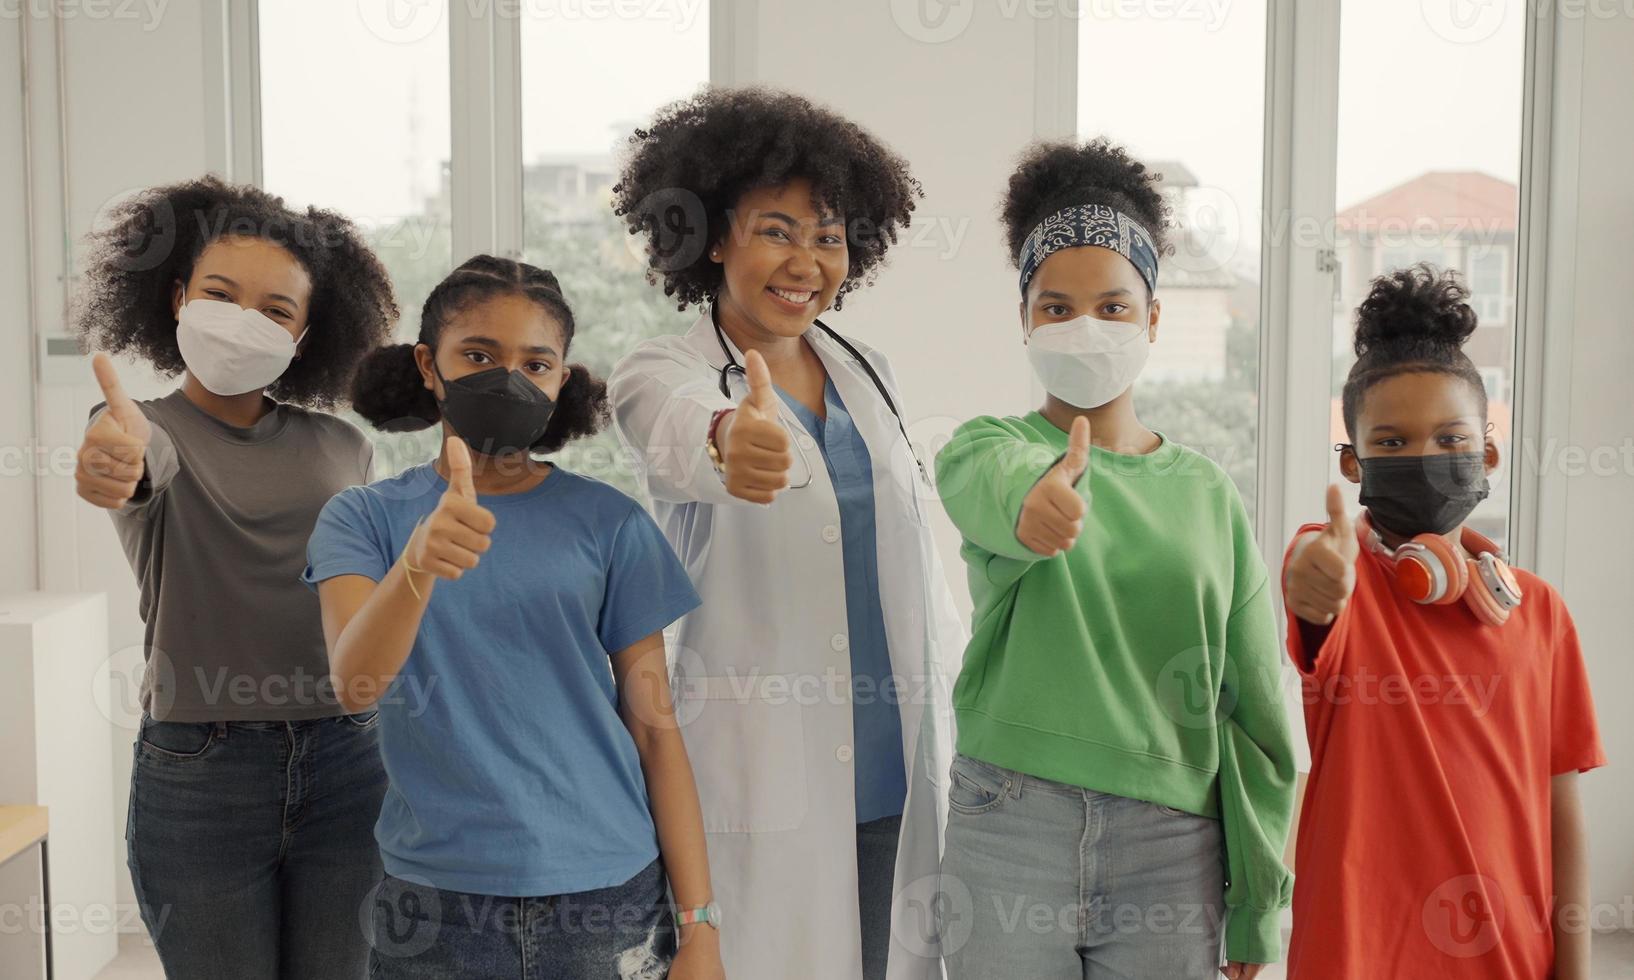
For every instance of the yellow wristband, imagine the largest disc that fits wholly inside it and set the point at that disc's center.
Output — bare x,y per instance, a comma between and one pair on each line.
410,565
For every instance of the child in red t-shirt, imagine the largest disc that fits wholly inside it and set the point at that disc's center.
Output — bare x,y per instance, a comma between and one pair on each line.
1446,701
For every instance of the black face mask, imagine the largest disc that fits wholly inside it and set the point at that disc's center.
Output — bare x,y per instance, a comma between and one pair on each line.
1413,495
495,411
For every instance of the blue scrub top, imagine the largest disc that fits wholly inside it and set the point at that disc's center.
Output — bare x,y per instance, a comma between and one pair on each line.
876,719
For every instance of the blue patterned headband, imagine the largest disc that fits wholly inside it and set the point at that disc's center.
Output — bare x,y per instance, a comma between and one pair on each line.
1090,224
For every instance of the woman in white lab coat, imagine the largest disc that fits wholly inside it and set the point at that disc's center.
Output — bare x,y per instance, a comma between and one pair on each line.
813,683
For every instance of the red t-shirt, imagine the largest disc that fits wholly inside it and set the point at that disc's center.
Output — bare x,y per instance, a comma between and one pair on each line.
1424,845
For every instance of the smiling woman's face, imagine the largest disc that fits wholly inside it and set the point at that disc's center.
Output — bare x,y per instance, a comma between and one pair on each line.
783,261
1087,280
252,273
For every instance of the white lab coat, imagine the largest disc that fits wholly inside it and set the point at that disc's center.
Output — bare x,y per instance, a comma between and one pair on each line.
763,687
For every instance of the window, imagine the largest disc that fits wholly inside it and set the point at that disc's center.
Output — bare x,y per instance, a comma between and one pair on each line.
588,80
590,75
355,118
1419,180
1202,129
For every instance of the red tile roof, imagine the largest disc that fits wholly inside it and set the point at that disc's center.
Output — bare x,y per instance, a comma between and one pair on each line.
1451,200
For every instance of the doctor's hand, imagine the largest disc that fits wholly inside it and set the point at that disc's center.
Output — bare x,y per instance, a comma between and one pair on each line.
457,533
112,457
753,444
1322,568
1052,515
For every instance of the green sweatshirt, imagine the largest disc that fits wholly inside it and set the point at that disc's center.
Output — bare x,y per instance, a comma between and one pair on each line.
1143,662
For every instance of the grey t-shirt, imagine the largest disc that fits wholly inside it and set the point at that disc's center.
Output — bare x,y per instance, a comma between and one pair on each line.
217,538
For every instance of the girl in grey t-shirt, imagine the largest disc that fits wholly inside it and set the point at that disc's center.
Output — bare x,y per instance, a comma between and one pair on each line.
253,792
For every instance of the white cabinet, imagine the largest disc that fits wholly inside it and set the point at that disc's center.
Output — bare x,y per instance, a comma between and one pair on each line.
55,740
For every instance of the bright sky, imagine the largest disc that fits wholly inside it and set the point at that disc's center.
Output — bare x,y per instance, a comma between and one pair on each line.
1420,88
367,80
348,81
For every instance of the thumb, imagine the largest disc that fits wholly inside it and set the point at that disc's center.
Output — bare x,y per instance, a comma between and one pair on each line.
1076,461
1339,523
459,469
120,405
761,396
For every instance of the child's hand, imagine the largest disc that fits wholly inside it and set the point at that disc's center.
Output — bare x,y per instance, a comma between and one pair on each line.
1242,971
457,533
1322,570
700,955
1052,515
112,457
754,447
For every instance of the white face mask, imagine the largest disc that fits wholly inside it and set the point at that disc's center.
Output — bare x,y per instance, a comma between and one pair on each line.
230,349
1087,362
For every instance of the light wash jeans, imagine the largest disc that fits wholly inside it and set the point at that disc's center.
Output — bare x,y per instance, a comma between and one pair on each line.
1048,881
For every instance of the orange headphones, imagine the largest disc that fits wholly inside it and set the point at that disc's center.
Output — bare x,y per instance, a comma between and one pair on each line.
1429,571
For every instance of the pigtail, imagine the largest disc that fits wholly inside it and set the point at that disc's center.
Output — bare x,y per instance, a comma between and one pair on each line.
581,410
390,392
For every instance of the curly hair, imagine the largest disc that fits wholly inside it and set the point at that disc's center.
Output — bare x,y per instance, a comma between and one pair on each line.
390,392
684,173
1413,319
155,238
1052,175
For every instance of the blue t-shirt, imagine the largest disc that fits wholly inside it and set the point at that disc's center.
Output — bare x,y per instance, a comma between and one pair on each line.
510,770
876,718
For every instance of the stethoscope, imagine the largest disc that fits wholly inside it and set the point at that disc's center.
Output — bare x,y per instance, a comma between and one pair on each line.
732,365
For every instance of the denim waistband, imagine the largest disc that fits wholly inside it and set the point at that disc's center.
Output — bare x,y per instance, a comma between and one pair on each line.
1016,781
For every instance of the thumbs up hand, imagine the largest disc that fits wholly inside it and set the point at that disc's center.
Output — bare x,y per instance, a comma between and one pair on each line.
1322,569
754,446
1052,515
110,463
455,536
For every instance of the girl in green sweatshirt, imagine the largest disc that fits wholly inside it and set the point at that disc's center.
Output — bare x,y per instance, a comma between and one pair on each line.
1125,775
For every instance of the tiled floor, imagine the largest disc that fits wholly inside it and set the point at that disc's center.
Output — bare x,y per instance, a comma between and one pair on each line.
1613,960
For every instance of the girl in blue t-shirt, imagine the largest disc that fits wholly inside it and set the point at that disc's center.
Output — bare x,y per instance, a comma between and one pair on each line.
506,616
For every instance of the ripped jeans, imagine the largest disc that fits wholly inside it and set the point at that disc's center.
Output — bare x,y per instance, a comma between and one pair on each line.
625,932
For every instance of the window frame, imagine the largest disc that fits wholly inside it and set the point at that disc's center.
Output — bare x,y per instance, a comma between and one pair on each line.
1300,273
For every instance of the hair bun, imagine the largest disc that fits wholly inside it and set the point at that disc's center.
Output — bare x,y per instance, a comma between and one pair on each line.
1417,306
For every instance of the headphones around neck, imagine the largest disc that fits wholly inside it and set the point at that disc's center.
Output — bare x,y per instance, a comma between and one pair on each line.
1430,571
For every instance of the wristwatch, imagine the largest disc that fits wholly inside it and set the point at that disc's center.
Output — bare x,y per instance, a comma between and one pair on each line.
709,914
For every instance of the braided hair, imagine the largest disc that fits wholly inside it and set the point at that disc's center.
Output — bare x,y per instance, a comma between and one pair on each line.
390,392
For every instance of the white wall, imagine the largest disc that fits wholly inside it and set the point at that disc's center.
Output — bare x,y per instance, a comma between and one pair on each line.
17,556
1596,219
137,98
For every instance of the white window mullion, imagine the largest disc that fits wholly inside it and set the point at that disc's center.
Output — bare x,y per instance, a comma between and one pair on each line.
485,103
1550,131
1300,270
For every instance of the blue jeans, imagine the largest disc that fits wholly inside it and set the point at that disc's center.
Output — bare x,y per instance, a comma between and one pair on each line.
1049,881
251,845
625,932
